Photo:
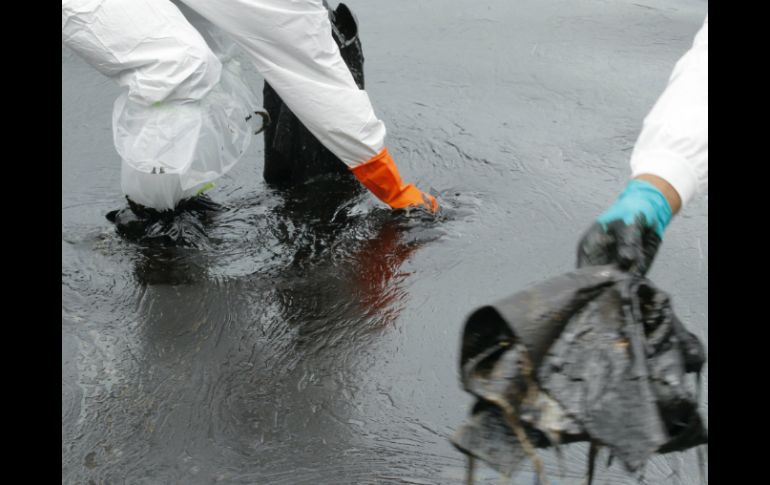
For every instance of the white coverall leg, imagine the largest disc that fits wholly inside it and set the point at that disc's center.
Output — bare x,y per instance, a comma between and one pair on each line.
673,143
150,47
181,122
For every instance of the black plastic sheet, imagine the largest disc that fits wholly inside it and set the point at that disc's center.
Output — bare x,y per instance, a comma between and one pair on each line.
593,355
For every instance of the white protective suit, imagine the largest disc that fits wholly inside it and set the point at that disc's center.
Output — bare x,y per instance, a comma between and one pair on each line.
180,124
673,143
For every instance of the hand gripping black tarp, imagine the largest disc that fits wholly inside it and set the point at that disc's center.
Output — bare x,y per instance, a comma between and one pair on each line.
594,355
292,154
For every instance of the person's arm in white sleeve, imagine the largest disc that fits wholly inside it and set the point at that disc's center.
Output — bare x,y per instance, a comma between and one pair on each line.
668,166
673,144
291,45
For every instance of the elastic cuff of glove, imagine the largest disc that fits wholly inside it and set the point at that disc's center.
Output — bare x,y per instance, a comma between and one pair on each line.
661,210
671,167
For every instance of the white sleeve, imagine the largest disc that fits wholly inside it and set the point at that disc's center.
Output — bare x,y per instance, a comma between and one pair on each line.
291,45
673,143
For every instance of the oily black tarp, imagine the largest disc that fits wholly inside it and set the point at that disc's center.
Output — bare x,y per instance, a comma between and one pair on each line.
292,154
594,355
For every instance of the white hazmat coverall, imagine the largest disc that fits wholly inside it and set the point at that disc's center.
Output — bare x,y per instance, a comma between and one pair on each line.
181,123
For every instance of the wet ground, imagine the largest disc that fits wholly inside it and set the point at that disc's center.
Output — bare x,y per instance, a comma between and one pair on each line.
316,339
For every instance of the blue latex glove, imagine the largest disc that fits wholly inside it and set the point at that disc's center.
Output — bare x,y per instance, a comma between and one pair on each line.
629,232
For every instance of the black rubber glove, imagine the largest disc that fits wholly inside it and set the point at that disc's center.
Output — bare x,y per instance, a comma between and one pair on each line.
629,233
